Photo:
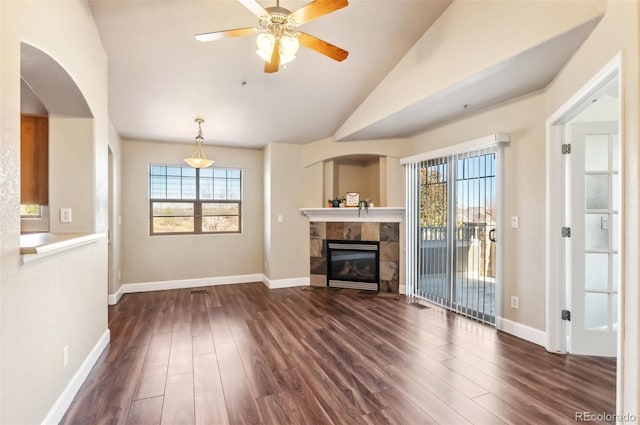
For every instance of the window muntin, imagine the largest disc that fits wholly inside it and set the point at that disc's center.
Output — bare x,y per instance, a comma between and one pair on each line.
185,200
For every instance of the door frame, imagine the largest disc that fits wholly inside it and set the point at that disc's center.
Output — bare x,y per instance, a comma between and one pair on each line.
497,139
555,245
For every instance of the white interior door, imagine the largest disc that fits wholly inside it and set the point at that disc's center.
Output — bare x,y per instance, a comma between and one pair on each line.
595,237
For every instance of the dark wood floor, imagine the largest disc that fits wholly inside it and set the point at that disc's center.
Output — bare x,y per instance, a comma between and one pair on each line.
244,354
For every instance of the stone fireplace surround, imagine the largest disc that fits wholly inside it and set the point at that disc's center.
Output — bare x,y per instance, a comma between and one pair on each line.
387,233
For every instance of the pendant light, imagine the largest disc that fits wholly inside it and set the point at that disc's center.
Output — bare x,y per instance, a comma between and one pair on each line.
199,159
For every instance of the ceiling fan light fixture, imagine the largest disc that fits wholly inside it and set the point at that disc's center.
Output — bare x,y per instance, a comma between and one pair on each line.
199,159
290,44
265,54
265,41
278,27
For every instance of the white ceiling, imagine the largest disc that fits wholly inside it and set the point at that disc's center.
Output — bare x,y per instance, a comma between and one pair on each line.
161,78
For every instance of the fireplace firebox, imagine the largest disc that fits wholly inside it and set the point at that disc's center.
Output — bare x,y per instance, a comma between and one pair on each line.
353,264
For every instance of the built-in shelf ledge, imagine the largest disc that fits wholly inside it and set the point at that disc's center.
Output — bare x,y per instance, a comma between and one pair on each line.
34,246
377,214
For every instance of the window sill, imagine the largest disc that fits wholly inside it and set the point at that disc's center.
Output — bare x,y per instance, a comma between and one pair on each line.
35,246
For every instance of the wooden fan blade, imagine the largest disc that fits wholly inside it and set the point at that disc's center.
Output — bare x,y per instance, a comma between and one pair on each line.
321,46
255,7
219,35
316,9
271,67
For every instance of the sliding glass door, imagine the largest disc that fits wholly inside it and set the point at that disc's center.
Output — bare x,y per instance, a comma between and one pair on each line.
454,220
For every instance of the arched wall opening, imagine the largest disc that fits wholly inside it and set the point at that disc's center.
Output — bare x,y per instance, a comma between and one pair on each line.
49,93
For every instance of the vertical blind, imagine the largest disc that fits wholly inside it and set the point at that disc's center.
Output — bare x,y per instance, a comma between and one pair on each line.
451,218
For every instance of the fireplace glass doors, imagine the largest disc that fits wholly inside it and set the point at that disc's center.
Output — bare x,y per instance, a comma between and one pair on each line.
353,264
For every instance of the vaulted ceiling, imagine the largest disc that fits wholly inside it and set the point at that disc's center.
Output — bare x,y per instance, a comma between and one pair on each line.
161,78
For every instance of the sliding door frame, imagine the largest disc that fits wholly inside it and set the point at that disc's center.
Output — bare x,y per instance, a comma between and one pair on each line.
412,186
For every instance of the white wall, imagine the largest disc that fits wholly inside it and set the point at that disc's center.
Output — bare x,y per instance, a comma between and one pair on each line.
148,258
70,174
286,241
115,206
362,177
60,300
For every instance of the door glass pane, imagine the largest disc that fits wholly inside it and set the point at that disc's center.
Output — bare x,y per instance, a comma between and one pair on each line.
615,152
456,257
614,272
432,281
473,291
596,273
615,232
596,231
596,191
596,310
596,154
615,192
614,311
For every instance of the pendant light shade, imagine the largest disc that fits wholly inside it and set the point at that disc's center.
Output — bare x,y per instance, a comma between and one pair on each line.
199,159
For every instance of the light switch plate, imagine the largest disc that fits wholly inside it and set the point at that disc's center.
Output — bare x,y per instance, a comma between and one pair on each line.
515,222
65,215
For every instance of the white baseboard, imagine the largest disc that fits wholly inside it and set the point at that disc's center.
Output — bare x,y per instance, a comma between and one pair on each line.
63,402
521,331
114,298
128,288
285,283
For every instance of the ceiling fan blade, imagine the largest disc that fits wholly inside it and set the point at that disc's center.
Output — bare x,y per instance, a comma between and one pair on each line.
271,67
219,35
321,46
255,7
316,9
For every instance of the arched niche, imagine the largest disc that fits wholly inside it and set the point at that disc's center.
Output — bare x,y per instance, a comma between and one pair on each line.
354,173
47,89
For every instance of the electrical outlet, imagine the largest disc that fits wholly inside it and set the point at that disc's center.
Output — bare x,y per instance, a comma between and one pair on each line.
280,218
65,215
515,302
515,222
65,356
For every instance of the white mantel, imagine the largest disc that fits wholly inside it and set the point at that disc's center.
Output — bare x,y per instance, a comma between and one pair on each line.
375,214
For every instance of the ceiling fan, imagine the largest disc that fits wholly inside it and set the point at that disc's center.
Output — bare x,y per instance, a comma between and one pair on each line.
278,41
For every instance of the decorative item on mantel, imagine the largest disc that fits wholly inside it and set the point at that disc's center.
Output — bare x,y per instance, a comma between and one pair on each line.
353,199
199,159
363,205
335,203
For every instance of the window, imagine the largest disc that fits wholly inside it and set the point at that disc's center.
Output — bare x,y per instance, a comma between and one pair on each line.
187,200
30,211
34,172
